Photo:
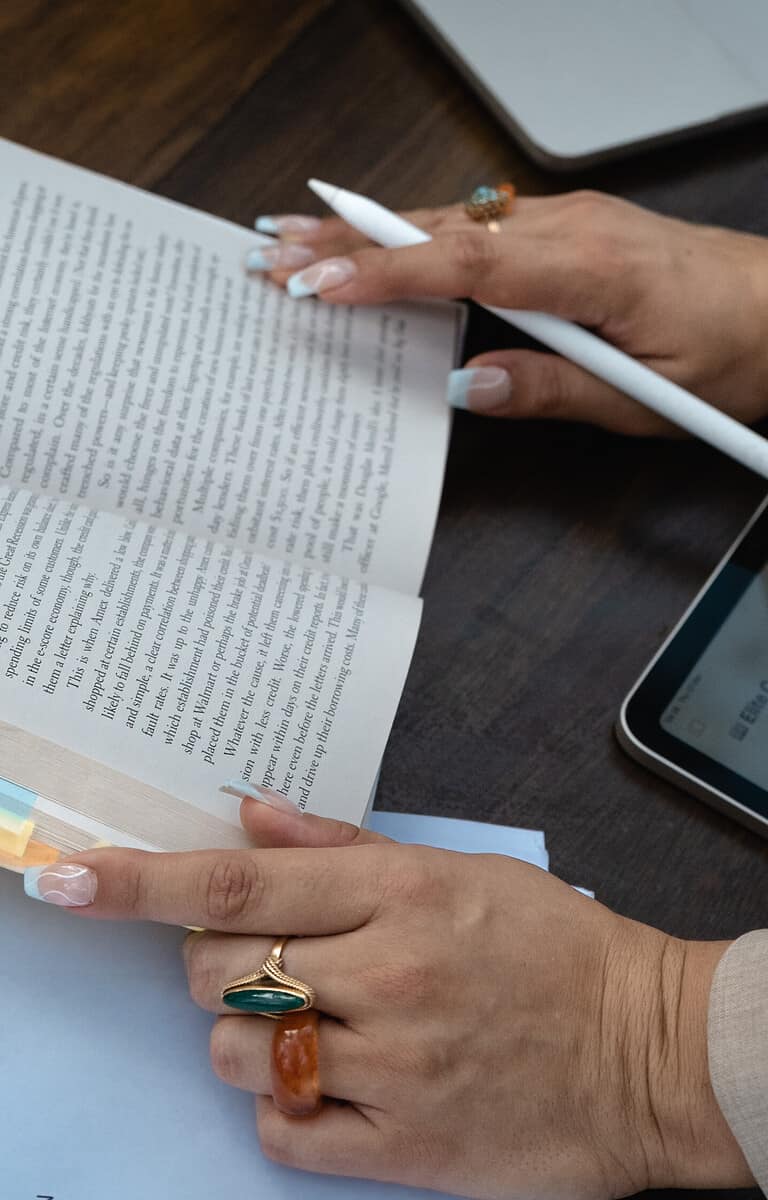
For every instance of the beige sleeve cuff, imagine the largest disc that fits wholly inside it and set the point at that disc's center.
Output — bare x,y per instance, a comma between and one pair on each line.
738,1046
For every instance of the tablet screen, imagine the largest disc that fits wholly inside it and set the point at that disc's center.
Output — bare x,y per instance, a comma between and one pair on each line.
722,707
701,708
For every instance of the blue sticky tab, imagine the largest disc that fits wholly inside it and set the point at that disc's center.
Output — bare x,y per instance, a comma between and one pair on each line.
15,799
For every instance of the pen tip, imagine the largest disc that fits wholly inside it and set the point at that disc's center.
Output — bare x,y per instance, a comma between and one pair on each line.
326,191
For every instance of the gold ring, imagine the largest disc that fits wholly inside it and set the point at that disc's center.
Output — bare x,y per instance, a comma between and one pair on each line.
489,203
269,992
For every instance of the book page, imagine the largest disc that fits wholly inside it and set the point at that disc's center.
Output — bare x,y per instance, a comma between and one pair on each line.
140,668
143,373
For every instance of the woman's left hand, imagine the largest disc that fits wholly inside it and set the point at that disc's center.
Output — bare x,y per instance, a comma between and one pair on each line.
484,1028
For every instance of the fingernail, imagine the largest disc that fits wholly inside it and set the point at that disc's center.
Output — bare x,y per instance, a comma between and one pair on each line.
480,389
331,273
285,254
266,795
65,884
290,225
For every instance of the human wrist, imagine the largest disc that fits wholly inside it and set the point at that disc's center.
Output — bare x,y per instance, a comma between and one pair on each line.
758,272
687,1140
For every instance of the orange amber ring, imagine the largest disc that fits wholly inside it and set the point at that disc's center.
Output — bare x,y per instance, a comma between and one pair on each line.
294,1067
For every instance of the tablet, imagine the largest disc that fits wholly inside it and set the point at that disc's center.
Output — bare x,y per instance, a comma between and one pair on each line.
699,714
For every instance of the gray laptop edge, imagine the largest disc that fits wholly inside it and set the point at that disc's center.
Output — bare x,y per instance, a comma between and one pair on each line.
578,83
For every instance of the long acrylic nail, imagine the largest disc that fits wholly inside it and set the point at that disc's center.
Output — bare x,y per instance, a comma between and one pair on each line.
322,277
66,884
290,225
243,790
282,255
480,389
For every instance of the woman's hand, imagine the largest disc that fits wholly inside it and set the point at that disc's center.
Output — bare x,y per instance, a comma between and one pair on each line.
690,301
485,1029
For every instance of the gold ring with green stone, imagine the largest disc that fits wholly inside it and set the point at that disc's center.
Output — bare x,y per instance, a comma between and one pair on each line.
269,992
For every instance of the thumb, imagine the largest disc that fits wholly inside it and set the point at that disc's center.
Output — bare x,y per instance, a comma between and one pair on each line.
528,384
272,821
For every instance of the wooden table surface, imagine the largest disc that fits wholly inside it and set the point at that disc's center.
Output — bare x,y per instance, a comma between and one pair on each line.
562,554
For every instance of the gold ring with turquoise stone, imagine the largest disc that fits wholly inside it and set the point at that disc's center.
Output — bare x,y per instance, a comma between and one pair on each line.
489,203
269,992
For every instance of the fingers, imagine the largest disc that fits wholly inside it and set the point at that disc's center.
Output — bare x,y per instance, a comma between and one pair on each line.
271,827
329,965
301,240
333,231
524,384
579,255
340,1140
241,1049
573,255
523,271
332,235
296,891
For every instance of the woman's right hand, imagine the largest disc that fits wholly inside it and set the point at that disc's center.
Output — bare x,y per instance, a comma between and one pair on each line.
690,301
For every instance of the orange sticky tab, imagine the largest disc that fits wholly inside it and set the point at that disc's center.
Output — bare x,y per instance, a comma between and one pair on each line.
37,855
15,833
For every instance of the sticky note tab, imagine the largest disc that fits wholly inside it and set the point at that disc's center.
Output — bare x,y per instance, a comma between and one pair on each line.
15,799
36,855
16,822
15,833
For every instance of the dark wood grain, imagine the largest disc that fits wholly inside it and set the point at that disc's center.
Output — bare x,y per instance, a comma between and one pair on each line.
562,554
129,88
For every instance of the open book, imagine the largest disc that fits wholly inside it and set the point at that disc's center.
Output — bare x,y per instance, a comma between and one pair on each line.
216,505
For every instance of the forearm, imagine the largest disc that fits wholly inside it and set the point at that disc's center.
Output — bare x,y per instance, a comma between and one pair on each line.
657,991
757,299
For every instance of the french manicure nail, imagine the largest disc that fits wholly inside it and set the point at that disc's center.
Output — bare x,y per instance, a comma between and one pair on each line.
286,255
291,225
242,789
480,389
65,884
330,273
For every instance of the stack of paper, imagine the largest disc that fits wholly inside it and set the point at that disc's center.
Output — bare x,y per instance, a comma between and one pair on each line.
106,1086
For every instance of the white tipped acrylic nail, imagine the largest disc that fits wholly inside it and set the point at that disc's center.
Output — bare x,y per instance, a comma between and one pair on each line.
241,788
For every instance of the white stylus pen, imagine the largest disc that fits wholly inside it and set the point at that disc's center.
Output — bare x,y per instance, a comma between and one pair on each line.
664,397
